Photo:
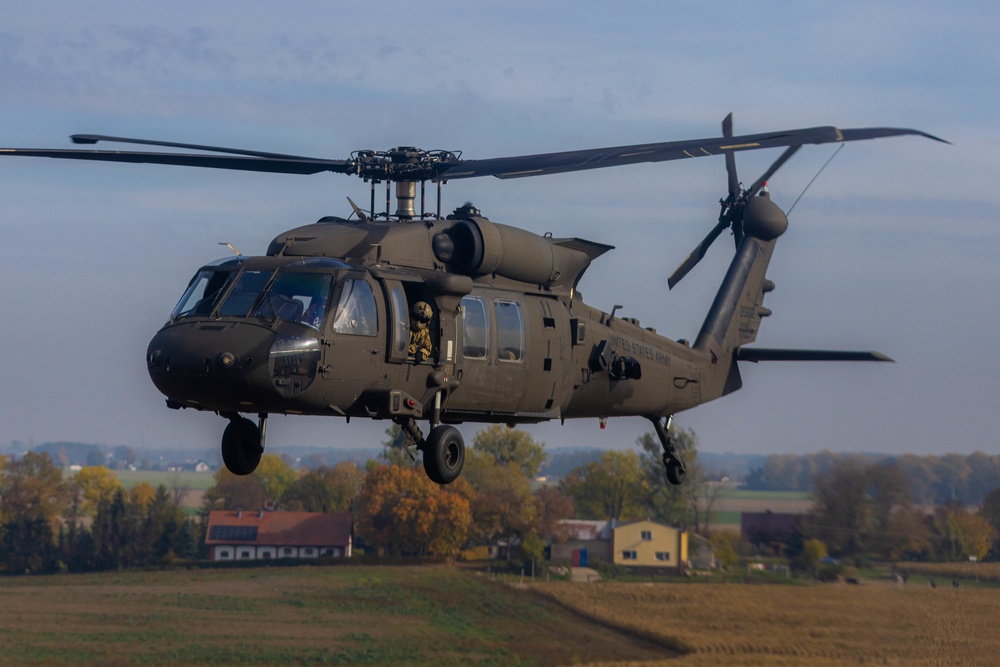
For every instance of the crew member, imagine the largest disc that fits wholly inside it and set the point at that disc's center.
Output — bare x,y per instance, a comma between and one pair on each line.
420,334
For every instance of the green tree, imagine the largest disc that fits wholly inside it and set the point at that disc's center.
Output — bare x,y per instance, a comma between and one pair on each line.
613,487
813,553
510,445
841,515
394,451
724,546
668,503
325,489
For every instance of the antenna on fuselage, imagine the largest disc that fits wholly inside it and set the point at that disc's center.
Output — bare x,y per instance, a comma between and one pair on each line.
230,246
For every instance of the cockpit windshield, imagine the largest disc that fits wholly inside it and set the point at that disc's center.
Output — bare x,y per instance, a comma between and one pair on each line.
224,291
297,297
205,288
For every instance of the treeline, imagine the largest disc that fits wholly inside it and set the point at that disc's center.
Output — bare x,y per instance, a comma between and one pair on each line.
87,522
933,480
867,510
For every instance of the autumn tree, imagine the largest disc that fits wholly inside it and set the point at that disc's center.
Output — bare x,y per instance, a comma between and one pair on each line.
32,487
93,484
555,507
613,487
403,512
504,508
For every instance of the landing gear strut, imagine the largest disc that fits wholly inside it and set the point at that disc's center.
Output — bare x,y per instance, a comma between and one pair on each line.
243,443
675,469
444,450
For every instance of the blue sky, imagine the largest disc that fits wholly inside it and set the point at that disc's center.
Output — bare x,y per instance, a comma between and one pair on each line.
893,248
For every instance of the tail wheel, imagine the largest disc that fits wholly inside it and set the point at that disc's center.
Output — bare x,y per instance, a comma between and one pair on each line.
444,454
241,446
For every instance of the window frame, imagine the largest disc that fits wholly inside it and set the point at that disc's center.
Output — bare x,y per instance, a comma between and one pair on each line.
481,300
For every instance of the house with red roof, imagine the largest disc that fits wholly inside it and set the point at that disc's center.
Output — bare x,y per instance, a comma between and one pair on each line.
271,534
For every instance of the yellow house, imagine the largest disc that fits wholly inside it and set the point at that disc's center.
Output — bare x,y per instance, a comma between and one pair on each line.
649,544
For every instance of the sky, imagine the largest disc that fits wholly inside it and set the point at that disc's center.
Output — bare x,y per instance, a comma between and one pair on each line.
893,248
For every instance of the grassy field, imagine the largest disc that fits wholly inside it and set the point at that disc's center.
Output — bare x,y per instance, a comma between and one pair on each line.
354,615
310,615
739,494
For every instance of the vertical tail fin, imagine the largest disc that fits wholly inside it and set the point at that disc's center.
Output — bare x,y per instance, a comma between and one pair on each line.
735,315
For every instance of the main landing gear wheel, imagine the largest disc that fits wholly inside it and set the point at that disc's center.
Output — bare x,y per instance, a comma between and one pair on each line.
444,454
675,470
241,446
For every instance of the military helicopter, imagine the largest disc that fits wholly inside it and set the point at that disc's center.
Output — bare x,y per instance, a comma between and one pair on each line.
414,316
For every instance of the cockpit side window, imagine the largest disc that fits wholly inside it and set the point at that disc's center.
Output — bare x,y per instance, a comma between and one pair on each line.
357,313
476,328
203,293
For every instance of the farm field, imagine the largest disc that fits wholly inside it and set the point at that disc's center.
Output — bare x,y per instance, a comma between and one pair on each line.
726,509
363,615
341,615
821,625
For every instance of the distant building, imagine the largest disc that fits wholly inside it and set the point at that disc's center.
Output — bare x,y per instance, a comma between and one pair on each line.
267,535
583,542
769,530
648,544
645,544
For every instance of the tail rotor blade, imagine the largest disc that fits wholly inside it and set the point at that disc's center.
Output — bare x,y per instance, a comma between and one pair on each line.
775,166
699,251
734,181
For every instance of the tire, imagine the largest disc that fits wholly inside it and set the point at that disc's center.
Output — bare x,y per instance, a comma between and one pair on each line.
241,450
444,454
675,472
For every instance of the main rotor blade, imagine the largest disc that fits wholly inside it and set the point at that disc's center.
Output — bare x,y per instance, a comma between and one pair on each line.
262,164
734,181
766,176
554,163
94,138
699,251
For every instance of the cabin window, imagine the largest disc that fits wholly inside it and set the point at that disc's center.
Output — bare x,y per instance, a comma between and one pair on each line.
510,330
357,314
244,293
476,328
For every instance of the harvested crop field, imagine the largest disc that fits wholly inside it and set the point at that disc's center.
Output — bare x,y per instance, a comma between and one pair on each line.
824,625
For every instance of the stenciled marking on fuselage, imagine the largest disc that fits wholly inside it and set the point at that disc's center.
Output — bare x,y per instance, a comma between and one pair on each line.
623,345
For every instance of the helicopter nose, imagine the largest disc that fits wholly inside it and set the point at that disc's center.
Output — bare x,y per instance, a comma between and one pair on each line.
212,365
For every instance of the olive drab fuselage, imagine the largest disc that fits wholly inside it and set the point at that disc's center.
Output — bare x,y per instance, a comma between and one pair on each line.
511,339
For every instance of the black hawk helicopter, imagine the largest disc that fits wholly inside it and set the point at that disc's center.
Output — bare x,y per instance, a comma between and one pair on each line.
414,316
